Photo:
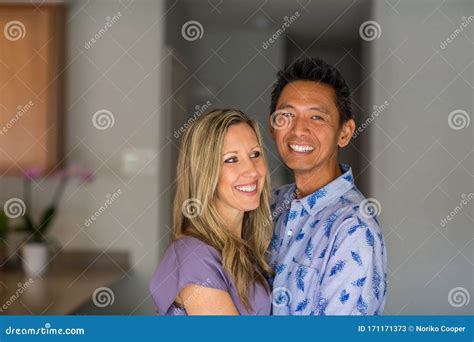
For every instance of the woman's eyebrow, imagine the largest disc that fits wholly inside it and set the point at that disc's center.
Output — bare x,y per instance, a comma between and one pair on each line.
236,152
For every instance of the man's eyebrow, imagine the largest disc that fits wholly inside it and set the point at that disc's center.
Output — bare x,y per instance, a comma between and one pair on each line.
236,152
320,109
285,105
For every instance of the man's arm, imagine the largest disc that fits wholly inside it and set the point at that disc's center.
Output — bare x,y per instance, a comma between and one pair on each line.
354,282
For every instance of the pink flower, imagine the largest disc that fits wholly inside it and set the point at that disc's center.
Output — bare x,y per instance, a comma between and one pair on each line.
87,177
74,171
33,173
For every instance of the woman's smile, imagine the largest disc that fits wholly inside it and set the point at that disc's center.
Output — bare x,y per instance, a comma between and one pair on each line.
249,189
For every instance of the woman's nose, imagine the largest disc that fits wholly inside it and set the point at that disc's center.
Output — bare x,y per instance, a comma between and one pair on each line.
249,168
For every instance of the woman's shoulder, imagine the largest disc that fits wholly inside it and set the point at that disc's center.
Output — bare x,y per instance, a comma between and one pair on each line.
189,260
187,246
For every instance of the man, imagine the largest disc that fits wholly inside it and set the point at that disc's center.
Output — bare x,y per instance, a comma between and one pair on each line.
327,250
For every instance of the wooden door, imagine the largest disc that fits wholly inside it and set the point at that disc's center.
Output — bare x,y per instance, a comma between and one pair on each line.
31,86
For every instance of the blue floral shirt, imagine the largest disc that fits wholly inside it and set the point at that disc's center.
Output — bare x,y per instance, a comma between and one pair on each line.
328,251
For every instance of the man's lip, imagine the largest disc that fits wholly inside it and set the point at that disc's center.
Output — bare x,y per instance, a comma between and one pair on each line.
300,144
294,151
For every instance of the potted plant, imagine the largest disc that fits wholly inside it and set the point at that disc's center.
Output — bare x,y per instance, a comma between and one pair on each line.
35,250
4,226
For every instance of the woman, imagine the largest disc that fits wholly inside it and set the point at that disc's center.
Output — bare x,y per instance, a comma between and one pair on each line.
216,264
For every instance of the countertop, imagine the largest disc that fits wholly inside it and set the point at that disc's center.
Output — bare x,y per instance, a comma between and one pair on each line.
68,284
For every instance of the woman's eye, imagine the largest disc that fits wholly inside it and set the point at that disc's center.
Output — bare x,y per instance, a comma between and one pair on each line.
256,154
231,160
287,114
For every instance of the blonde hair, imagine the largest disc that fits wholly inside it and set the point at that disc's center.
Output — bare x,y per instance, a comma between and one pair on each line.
195,213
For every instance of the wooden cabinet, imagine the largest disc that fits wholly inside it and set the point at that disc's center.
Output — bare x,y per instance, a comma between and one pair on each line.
32,71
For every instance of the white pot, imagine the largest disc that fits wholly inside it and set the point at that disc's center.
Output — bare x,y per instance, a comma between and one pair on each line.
35,258
14,242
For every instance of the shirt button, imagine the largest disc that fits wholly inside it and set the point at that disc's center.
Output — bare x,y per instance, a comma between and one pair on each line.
290,233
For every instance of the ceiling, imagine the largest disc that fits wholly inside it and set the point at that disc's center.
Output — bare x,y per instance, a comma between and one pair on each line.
322,20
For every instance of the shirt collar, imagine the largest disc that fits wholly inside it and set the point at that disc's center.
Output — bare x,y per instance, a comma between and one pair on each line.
326,195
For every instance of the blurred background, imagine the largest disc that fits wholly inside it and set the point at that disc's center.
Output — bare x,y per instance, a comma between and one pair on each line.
95,96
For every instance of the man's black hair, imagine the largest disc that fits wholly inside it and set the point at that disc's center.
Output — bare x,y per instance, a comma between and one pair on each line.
316,70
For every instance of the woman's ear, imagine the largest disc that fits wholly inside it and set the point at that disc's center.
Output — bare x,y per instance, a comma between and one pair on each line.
347,131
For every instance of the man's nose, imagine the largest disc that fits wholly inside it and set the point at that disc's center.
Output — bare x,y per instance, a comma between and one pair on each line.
300,126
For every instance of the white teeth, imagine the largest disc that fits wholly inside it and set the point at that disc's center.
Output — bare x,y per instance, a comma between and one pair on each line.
247,188
301,148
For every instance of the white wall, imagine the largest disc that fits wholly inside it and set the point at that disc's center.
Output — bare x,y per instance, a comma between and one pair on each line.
131,89
230,68
120,72
421,166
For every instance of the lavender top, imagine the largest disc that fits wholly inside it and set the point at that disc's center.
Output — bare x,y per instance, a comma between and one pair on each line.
187,261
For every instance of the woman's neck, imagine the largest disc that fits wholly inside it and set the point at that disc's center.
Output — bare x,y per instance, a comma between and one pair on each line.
233,220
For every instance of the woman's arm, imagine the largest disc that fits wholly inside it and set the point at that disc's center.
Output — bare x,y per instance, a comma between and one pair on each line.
199,300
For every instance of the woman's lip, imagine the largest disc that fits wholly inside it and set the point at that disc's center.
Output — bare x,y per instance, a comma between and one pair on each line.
253,183
248,193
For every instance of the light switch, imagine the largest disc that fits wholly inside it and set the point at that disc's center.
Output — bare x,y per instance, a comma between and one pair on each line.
139,162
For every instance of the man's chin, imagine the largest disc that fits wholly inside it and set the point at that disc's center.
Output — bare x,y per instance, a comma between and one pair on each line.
300,167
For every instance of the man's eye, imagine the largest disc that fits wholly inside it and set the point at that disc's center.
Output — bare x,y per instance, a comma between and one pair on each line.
317,117
231,160
256,154
287,114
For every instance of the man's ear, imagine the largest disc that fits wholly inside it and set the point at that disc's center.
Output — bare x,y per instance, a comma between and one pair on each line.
347,131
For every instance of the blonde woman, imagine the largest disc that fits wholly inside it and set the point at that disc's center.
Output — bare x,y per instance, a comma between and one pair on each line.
216,264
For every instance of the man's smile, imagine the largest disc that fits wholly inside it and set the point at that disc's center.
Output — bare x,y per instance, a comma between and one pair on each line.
301,148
